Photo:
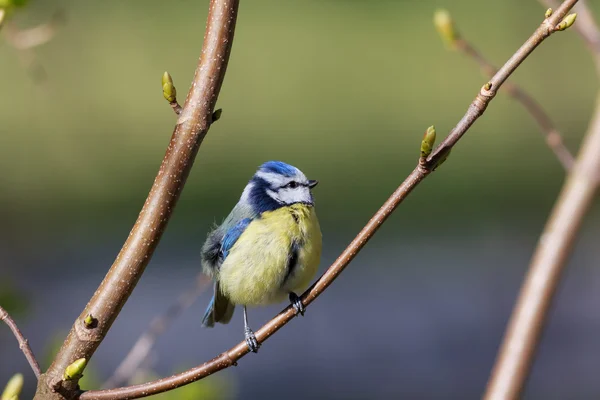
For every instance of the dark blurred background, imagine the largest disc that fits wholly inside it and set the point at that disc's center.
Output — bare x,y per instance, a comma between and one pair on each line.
344,90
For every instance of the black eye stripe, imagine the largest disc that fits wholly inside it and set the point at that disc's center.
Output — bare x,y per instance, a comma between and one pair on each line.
293,185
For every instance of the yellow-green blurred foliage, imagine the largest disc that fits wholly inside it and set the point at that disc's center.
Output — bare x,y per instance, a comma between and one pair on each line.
343,89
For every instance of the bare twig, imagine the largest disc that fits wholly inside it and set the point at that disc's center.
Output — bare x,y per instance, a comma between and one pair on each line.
191,128
23,343
176,107
548,129
527,322
24,39
422,170
140,350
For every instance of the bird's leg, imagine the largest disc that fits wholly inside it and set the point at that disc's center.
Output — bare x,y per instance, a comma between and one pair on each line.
297,303
251,341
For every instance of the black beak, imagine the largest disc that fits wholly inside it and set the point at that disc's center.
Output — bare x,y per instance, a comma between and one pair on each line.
312,183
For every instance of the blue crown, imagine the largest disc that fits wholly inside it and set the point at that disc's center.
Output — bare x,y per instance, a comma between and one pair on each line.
279,167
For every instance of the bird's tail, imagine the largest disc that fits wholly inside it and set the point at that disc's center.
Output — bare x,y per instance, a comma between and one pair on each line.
220,309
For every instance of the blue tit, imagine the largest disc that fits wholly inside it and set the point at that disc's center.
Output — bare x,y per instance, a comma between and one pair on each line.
269,246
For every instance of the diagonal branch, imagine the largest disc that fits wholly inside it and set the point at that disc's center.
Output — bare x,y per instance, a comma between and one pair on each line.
23,343
522,337
421,171
192,125
551,134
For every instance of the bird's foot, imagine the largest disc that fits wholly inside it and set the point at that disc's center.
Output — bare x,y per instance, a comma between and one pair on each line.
251,341
297,303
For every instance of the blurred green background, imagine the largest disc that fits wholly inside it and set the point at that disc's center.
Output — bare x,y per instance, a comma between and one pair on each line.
343,89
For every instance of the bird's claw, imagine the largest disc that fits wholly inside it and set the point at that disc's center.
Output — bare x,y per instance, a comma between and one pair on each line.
251,341
297,304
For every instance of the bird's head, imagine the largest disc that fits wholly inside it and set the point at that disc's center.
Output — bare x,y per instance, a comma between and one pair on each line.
278,184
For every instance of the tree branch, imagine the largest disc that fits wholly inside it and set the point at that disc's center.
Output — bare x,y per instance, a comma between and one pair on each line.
23,343
586,27
140,350
551,134
527,322
190,130
421,171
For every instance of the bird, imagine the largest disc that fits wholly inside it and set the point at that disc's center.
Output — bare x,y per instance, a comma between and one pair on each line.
267,248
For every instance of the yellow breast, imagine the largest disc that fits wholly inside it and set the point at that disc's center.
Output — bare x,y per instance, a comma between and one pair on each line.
256,270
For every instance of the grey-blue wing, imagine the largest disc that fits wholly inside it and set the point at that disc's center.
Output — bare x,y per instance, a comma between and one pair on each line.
214,251
211,250
220,309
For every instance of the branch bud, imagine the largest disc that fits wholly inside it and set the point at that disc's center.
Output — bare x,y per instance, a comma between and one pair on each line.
169,91
75,370
90,321
445,26
428,142
548,13
567,22
216,115
442,160
13,387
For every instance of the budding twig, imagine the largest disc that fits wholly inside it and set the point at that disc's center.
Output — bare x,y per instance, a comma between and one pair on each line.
23,343
170,93
586,27
553,137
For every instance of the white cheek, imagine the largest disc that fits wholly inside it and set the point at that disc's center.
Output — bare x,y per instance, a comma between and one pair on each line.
286,196
298,195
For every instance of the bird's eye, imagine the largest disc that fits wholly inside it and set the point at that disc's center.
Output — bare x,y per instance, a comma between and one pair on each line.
292,184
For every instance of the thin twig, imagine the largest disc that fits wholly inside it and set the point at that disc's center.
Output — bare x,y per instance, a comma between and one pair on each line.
24,39
191,128
176,107
422,170
522,337
23,343
142,347
586,27
548,129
